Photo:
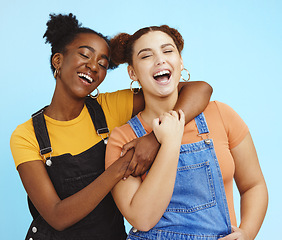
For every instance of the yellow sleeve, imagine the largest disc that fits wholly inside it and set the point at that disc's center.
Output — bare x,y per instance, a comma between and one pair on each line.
117,107
23,144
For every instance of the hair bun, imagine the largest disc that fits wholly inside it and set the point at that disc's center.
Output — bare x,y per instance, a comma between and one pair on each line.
119,48
60,26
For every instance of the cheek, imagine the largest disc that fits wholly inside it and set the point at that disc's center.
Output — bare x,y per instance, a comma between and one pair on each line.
102,75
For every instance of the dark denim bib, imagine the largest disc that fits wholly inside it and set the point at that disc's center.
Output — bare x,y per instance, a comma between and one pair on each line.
71,173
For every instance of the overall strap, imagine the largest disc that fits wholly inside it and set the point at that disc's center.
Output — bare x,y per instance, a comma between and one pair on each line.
203,127
137,126
201,124
41,132
98,117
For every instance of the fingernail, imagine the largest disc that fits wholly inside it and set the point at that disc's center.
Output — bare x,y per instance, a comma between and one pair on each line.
124,178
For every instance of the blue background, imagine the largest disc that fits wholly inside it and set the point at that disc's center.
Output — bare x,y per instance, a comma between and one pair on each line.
235,46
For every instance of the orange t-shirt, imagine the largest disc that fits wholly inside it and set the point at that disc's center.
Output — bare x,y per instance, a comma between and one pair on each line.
227,130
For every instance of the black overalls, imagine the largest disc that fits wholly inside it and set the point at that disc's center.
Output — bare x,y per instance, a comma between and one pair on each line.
69,174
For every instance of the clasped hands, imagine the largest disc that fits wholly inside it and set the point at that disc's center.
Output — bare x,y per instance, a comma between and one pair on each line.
146,148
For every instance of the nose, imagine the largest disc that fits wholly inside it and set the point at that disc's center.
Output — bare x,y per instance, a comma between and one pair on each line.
160,60
92,64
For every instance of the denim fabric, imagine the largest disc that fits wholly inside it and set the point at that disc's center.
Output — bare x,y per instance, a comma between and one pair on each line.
198,208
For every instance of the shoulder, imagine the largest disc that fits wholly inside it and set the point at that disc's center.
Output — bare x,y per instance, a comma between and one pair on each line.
117,107
110,98
222,114
221,109
23,130
23,143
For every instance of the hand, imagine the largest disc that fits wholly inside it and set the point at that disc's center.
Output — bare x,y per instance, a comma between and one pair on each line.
169,127
237,234
124,162
146,149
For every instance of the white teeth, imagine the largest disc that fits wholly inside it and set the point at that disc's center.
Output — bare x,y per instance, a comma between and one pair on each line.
86,76
161,73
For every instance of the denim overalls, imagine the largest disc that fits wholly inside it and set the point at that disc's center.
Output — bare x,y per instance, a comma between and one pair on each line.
198,208
69,174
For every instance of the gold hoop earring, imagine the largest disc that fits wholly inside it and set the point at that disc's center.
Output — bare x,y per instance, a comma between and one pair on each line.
56,73
95,96
188,75
135,90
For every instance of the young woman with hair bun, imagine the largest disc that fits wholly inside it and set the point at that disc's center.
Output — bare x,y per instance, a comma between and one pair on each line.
59,152
188,191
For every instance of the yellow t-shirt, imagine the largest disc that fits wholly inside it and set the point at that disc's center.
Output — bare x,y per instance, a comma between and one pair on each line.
74,136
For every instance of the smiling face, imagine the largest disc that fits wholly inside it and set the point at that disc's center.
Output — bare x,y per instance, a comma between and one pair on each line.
83,66
156,64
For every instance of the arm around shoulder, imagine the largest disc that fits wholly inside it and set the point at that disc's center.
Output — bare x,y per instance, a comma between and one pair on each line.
193,98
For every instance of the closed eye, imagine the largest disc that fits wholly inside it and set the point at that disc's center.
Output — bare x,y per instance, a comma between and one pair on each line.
146,56
85,56
103,66
103,63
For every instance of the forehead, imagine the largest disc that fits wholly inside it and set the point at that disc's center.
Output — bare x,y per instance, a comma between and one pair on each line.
92,40
153,39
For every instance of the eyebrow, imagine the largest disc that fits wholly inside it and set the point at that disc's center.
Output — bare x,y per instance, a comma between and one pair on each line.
149,49
93,50
167,44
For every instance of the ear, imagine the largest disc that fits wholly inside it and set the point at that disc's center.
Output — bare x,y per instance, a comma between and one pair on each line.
57,60
181,61
131,73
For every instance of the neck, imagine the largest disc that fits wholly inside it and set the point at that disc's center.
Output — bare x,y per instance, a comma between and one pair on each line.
156,106
63,107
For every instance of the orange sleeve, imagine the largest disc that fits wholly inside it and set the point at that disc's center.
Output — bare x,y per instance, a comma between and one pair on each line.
236,129
119,137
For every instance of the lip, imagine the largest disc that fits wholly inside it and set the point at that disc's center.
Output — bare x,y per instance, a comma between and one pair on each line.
162,71
86,78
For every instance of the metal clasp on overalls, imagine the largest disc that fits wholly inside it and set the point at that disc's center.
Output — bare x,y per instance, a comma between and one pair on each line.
100,134
207,140
48,161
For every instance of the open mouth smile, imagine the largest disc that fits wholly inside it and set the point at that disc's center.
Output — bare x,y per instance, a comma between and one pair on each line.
86,77
162,76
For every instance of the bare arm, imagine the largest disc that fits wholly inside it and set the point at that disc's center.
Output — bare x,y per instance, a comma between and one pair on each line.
61,214
193,99
252,188
139,201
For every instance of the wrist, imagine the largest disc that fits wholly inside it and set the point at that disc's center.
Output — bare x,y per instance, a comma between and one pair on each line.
154,138
171,145
118,168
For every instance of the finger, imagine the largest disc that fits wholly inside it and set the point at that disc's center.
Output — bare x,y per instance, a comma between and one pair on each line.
171,112
233,228
181,115
156,122
233,236
228,237
127,147
131,168
167,114
144,170
137,171
174,114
